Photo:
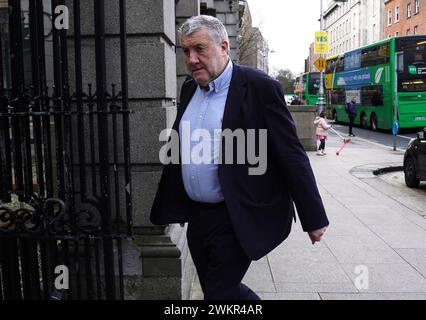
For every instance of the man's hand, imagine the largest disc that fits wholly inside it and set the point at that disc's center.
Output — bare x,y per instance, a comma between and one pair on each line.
316,235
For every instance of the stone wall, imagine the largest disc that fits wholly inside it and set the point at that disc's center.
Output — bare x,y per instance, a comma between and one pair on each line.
228,12
304,117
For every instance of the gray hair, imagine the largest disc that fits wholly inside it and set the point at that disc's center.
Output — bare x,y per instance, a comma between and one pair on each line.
214,26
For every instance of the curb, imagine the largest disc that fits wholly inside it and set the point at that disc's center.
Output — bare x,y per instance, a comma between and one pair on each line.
388,170
375,169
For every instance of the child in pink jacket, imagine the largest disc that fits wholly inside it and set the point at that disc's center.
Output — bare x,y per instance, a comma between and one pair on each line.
321,132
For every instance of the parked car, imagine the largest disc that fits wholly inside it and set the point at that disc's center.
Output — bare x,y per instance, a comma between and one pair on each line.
415,160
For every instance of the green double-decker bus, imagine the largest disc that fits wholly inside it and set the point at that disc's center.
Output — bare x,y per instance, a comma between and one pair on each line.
388,78
307,87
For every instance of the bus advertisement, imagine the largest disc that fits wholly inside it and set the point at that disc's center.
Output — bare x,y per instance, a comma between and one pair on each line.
307,87
388,78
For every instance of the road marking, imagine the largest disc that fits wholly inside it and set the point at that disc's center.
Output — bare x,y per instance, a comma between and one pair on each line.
379,144
376,143
409,138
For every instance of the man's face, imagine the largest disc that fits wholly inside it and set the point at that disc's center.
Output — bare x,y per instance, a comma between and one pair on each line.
204,58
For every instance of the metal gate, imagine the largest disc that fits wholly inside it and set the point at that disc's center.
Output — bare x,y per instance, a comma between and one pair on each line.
65,192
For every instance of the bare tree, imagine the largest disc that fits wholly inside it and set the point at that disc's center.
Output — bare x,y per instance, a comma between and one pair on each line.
248,43
253,49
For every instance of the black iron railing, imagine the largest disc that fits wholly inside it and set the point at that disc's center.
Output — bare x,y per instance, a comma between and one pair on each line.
65,193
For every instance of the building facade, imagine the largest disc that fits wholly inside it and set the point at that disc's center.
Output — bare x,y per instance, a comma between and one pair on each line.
353,23
309,64
404,17
253,48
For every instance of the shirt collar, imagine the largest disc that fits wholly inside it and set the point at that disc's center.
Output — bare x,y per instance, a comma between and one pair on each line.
224,80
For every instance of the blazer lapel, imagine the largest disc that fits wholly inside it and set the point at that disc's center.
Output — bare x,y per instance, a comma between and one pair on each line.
187,92
232,115
234,101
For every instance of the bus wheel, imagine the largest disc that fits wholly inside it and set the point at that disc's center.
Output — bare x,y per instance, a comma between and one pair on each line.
363,121
373,122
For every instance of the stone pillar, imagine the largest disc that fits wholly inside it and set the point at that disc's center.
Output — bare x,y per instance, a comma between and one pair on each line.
304,117
228,12
152,82
184,10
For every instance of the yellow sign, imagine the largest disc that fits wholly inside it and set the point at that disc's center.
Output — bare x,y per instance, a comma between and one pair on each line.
321,42
328,80
320,63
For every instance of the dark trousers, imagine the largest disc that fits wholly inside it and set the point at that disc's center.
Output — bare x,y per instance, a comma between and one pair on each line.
218,257
322,144
351,123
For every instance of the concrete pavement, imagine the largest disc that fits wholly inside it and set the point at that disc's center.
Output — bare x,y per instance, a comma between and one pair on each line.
375,247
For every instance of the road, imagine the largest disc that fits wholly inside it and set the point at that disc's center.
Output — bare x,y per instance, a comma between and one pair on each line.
383,138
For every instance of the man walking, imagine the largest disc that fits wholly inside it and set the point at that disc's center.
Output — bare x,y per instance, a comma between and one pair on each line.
233,215
351,110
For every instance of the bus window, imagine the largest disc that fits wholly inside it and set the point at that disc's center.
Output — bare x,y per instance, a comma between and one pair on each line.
372,96
400,62
412,74
338,96
375,55
314,82
330,65
340,64
335,65
352,60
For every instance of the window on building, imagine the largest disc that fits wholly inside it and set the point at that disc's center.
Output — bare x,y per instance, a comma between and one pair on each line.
396,14
396,34
416,29
389,17
408,32
409,10
416,6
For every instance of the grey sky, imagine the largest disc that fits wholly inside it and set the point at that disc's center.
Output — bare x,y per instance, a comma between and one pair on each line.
289,27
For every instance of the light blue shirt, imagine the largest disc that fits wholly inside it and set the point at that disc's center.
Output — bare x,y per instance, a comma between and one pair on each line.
200,139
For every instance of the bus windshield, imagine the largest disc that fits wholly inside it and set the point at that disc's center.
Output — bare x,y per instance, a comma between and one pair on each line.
314,82
411,66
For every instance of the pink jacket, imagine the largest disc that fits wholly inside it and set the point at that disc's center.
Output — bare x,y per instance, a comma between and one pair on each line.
322,126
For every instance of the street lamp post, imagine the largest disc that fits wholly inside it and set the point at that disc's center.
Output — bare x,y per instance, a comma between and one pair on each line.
321,99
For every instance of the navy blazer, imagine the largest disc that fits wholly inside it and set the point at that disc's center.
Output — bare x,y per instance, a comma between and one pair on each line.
260,206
